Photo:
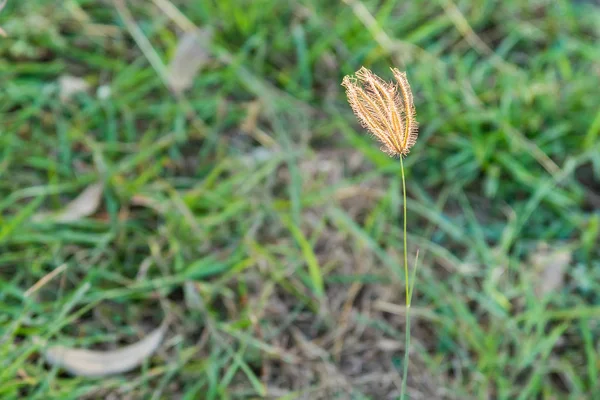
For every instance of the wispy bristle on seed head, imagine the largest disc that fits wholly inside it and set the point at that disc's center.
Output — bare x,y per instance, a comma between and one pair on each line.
385,109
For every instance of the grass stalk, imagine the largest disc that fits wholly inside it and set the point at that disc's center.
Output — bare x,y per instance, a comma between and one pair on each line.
409,289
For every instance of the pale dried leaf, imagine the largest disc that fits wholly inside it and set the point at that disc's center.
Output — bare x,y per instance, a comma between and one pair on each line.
389,345
93,363
550,266
193,301
2,4
82,206
309,349
70,85
192,53
143,200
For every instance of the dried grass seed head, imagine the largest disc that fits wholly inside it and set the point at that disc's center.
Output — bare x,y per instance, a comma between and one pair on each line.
385,109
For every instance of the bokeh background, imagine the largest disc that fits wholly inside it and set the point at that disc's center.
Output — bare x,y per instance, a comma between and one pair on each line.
198,160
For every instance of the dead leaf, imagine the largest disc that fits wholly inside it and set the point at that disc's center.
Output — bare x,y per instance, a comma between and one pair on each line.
93,363
2,4
142,200
250,123
70,85
82,206
192,53
549,265
309,348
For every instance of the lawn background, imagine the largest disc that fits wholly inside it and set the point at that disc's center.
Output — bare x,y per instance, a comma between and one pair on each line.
255,211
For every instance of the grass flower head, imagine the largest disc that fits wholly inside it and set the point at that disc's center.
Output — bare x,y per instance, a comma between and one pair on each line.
385,109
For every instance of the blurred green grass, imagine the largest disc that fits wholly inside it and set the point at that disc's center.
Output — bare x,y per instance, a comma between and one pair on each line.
268,223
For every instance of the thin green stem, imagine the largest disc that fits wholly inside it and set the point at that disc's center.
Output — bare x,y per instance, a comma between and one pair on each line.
406,284
404,231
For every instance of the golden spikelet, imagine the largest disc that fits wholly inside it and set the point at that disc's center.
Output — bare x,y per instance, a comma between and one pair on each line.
385,109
